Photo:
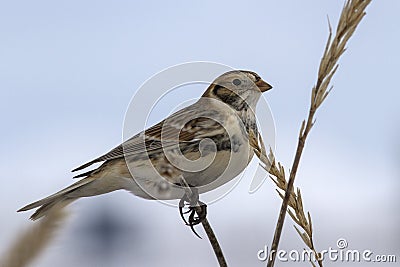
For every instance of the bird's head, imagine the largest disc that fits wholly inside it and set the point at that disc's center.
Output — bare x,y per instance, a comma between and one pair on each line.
239,89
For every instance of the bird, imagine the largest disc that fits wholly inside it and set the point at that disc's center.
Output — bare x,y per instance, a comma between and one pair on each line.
193,151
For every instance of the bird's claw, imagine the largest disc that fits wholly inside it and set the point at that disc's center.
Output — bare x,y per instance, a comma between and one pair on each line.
194,207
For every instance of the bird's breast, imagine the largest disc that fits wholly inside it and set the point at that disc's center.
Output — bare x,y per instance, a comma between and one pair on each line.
229,157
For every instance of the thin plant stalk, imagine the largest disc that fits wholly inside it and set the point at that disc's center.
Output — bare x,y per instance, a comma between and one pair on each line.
208,229
352,14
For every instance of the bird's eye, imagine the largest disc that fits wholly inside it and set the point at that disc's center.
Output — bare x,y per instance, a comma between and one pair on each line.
236,82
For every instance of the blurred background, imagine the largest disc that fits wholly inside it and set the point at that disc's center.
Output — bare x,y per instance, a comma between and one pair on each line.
68,70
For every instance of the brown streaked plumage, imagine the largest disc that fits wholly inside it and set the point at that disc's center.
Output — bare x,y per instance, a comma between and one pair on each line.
142,164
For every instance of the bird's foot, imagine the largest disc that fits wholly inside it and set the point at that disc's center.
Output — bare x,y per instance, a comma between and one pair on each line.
197,210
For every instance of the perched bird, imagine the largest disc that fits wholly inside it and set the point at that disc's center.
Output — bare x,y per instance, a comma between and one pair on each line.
195,150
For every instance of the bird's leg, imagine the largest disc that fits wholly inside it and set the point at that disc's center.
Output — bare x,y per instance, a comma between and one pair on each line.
195,206
181,206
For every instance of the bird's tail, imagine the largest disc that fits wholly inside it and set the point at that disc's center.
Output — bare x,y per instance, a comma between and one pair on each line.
57,200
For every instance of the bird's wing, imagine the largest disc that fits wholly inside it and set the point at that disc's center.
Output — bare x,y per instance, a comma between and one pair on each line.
188,125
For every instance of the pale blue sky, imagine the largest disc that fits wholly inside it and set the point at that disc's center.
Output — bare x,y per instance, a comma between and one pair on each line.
69,69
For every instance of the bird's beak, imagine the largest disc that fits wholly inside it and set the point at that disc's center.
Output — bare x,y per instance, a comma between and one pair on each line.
263,86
